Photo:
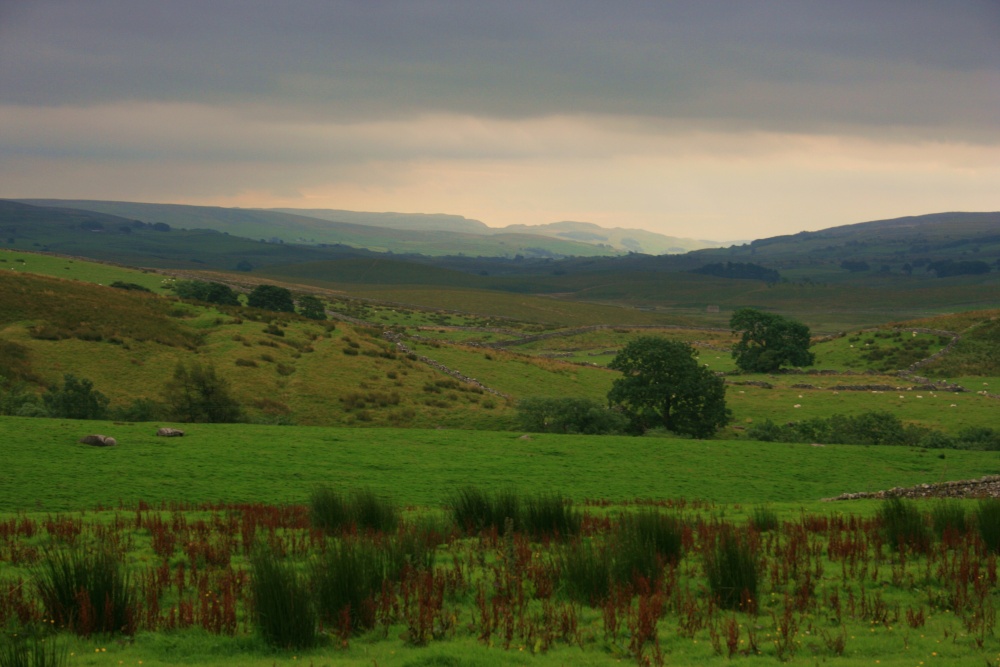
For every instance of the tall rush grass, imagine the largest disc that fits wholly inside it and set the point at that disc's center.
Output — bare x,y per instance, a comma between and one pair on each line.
87,591
903,525
732,570
283,609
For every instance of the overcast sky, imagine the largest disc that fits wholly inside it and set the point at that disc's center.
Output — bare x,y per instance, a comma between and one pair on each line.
714,120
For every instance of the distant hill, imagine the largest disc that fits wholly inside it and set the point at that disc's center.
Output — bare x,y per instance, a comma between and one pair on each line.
427,222
625,240
914,240
282,227
633,240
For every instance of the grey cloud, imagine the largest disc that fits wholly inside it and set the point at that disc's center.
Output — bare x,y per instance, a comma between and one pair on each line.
762,64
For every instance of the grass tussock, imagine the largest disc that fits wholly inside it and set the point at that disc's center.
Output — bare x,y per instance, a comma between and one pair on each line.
87,591
362,510
283,607
732,571
903,525
948,516
542,515
31,649
988,523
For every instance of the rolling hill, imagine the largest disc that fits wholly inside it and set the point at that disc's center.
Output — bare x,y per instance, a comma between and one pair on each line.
282,227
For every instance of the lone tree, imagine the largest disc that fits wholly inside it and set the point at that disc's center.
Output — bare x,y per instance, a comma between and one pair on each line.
769,341
77,399
271,297
664,385
198,394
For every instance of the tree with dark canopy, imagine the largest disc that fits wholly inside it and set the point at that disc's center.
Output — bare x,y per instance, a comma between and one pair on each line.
77,399
663,385
198,394
311,307
271,297
769,341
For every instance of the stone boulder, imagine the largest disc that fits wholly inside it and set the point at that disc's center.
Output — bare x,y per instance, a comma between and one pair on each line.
169,432
97,440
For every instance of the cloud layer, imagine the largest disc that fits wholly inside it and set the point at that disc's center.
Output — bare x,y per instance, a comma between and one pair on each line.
712,119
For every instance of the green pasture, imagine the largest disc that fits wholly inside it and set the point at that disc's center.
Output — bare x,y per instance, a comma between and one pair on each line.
79,269
944,410
45,469
521,376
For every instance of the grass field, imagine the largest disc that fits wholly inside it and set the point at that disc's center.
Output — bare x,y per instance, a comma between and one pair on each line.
46,470
51,481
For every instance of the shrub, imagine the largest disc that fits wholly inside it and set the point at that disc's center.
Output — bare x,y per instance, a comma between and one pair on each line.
903,525
87,592
979,437
731,566
139,410
282,603
569,415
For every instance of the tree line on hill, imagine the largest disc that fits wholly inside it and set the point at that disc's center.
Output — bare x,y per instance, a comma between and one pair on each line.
265,297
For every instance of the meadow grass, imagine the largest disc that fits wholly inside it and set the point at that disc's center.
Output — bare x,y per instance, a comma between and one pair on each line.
45,469
76,268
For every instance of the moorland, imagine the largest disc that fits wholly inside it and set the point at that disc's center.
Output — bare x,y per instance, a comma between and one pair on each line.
398,415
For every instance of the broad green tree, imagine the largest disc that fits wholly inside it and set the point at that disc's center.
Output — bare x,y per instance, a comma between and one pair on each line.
271,297
207,292
769,341
663,385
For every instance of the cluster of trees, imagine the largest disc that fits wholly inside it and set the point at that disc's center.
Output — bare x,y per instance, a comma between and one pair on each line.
195,393
663,386
874,428
266,297
949,267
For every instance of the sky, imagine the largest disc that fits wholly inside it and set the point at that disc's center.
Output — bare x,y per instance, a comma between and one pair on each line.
708,119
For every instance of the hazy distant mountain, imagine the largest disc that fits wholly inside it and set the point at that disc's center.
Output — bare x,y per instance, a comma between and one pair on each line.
427,222
634,240
281,227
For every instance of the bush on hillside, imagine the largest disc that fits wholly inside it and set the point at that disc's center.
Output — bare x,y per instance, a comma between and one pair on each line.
76,399
200,290
874,428
198,394
569,415
867,428
271,297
